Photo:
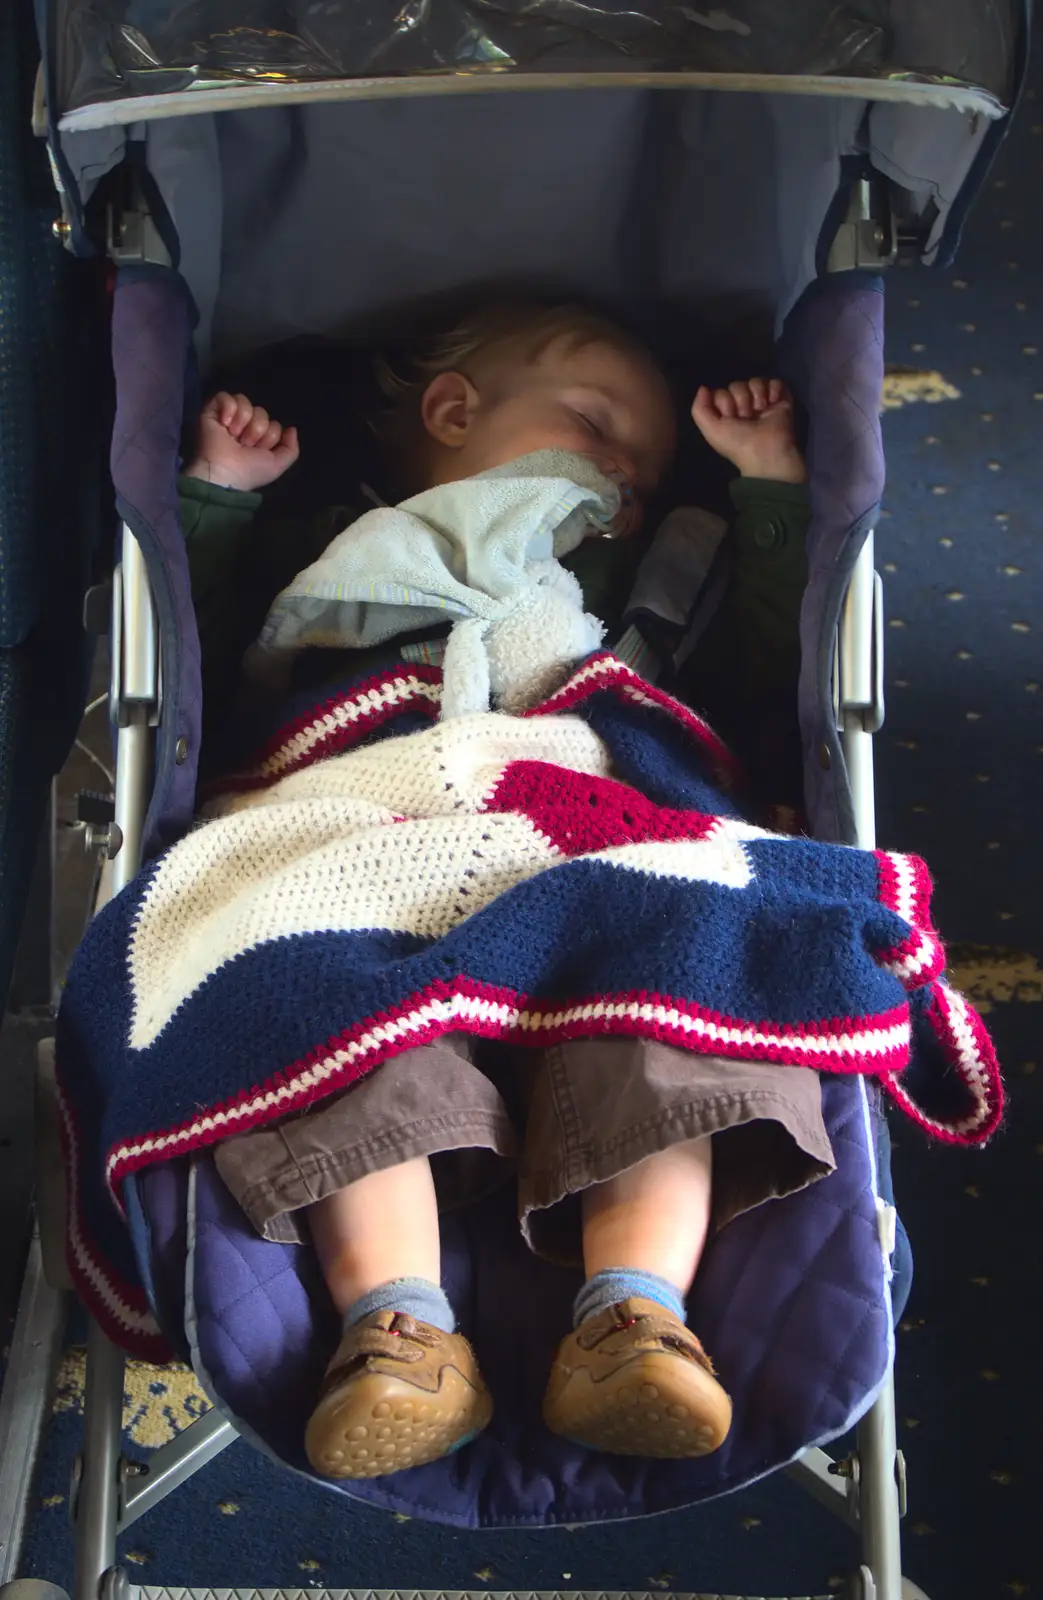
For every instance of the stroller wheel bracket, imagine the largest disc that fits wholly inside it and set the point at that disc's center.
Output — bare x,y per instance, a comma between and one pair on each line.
115,1585
143,1484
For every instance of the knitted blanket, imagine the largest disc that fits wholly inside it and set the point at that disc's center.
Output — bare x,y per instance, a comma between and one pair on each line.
378,877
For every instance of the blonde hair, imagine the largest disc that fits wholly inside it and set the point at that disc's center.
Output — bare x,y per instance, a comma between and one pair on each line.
528,326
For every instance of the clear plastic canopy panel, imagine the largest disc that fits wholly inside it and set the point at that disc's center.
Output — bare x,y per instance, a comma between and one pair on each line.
115,50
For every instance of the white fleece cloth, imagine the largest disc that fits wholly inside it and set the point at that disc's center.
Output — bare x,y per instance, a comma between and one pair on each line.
483,551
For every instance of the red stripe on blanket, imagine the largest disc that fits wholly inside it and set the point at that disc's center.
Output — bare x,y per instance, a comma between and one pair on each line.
606,672
120,1309
339,724
876,1046
904,887
345,720
969,1051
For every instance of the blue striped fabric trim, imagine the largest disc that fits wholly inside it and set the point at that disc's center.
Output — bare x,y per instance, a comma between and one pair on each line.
425,652
634,649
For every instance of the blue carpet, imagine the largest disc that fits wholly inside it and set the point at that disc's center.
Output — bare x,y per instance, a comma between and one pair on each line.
960,765
960,780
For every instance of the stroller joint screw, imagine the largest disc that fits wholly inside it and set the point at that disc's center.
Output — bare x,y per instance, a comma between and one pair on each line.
106,837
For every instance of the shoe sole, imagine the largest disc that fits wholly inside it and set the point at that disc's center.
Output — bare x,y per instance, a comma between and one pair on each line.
657,1406
375,1424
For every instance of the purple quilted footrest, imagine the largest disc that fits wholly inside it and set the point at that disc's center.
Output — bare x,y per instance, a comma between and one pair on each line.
792,1301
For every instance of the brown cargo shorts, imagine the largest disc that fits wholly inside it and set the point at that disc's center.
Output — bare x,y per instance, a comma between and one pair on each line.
560,1120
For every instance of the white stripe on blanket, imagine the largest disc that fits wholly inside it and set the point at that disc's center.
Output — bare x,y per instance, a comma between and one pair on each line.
392,836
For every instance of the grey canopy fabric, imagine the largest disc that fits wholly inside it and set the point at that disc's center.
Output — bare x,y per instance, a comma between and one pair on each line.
346,219
122,50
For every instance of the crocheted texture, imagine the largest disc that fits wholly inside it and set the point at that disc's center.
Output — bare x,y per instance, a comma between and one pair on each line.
573,872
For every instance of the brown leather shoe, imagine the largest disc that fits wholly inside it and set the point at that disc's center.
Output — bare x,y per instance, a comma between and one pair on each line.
633,1381
397,1393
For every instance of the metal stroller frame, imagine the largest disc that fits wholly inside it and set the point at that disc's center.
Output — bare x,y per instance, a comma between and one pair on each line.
110,1492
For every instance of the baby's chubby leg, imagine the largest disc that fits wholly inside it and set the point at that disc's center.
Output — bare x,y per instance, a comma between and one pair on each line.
654,1217
403,1387
380,1229
631,1379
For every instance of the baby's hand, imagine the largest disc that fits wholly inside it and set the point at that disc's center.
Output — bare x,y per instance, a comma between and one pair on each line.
240,447
751,425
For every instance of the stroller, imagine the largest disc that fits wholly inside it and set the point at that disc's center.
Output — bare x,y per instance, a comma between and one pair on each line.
259,173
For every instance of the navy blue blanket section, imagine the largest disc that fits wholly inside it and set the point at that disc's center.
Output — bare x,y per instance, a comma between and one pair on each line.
753,945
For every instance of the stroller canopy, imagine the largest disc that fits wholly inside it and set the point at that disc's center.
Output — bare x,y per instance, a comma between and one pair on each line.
119,60
319,171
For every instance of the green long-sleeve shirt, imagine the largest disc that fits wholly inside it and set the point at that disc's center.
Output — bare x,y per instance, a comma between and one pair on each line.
742,672
753,638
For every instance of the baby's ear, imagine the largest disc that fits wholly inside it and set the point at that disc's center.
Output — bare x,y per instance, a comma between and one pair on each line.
448,407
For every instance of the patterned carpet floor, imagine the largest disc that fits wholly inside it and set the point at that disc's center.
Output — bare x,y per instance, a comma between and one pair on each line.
960,774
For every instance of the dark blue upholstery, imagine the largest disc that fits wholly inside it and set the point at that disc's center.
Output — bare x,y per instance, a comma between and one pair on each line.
52,332
791,1300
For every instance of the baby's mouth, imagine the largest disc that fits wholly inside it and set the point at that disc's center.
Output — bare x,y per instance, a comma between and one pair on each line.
629,516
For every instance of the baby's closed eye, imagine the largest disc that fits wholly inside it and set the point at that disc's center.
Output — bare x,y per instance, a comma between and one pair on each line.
594,426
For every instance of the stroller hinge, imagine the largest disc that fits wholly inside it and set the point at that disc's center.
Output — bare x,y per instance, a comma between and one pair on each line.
131,235
867,239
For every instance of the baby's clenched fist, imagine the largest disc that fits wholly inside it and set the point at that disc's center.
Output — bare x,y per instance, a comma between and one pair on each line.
240,446
750,424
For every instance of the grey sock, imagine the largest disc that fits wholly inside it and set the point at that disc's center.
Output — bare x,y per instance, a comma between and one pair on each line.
614,1285
415,1297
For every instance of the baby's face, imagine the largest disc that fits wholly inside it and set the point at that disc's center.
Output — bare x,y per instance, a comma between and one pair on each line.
610,405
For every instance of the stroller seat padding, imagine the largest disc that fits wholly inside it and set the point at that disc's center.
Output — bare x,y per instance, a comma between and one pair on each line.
792,1300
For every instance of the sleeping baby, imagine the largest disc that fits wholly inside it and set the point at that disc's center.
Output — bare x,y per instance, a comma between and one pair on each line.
525,445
